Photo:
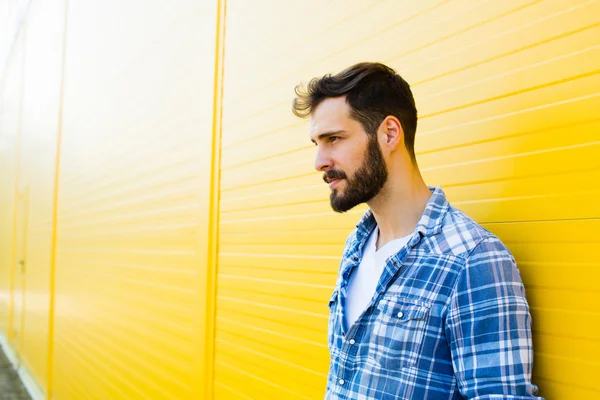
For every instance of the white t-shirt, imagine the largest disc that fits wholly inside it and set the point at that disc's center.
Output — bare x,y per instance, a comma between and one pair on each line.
363,281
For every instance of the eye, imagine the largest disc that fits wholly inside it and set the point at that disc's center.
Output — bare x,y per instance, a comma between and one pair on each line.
333,139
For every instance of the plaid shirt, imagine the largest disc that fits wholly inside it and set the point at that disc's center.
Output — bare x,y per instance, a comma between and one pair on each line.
448,319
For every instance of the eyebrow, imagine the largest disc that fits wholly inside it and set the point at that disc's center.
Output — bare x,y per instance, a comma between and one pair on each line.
327,134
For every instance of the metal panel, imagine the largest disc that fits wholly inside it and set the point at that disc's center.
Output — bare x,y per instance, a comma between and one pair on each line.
40,111
11,88
507,96
133,200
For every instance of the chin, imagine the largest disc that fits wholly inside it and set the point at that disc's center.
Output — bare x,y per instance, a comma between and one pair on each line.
339,206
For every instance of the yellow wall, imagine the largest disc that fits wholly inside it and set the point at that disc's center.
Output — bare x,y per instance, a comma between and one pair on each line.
135,129
507,93
39,127
10,107
133,203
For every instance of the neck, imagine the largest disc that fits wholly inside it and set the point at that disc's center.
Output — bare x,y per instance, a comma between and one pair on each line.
399,206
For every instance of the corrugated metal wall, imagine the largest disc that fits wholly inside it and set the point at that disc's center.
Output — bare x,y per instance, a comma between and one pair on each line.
133,196
10,106
39,115
507,92
135,162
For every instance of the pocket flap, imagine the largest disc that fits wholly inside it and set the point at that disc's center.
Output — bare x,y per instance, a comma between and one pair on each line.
402,309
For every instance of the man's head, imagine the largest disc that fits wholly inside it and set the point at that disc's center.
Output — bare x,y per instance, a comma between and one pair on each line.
352,114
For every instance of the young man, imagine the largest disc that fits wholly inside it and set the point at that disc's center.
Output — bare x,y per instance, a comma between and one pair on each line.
428,304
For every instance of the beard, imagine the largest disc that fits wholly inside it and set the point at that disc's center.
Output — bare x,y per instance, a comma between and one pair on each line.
366,183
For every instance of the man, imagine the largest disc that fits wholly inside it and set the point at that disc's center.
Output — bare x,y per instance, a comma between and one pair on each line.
428,304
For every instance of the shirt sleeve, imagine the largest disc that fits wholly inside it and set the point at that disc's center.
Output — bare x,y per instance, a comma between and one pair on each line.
488,326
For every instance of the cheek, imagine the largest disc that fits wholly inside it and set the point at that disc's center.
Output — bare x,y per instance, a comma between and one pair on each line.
349,156
351,164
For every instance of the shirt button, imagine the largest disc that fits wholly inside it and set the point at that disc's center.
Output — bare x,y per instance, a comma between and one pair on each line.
341,381
351,341
400,314
355,258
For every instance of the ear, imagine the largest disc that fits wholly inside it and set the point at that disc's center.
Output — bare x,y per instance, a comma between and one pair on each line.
391,133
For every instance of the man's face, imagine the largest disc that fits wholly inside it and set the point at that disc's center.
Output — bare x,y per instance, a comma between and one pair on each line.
351,160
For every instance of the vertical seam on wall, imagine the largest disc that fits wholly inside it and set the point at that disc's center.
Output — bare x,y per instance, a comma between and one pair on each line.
23,281
24,201
50,373
11,315
215,188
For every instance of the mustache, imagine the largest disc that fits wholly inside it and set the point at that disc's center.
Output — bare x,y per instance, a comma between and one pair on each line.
333,174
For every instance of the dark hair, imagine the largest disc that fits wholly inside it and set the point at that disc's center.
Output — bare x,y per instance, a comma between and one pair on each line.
373,91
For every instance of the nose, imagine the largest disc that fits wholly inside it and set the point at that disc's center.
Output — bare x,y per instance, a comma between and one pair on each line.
323,161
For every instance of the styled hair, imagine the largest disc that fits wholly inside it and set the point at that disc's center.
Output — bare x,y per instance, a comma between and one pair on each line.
373,91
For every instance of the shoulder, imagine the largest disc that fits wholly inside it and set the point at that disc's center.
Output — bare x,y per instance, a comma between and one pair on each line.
481,255
462,237
488,268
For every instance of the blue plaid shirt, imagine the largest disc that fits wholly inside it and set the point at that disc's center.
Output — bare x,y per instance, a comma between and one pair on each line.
448,319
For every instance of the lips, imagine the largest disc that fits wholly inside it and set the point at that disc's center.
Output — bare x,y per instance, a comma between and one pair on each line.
333,178
333,182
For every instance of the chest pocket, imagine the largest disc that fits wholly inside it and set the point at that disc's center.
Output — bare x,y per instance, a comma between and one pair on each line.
398,332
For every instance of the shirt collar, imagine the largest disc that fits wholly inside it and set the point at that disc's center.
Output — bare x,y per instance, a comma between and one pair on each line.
429,224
